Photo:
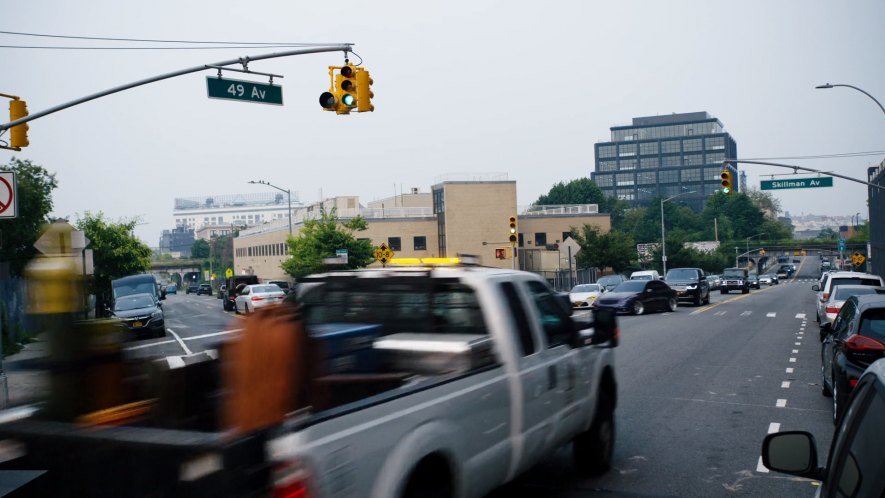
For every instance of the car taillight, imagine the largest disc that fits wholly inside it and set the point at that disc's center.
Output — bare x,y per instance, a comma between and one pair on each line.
826,296
832,309
290,481
256,298
852,382
863,343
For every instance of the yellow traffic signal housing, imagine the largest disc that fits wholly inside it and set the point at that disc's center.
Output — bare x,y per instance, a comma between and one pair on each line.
364,91
513,236
727,185
347,87
18,135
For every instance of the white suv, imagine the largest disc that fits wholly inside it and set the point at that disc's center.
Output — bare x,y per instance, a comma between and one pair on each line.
834,278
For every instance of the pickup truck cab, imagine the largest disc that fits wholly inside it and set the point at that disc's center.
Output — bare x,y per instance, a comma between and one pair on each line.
448,382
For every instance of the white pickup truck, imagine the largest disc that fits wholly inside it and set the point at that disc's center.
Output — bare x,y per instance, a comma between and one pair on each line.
495,377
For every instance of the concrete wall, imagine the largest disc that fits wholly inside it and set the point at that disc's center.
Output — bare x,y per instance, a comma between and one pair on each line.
477,212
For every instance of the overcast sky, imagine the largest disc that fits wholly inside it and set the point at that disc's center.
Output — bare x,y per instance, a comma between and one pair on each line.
519,87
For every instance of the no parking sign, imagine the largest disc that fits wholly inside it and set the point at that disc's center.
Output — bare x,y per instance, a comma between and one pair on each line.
8,195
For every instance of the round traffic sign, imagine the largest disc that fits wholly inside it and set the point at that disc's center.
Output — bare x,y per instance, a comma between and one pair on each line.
7,195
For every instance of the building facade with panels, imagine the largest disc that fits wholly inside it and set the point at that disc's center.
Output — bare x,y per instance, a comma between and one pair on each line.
661,156
232,209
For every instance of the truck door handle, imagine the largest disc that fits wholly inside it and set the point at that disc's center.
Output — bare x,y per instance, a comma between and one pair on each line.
551,377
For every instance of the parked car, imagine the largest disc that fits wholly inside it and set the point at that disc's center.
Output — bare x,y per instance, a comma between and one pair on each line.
257,296
854,465
171,289
715,281
753,281
832,279
204,289
585,295
282,284
609,282
840,294
141,313
690,284
192,288
854,341
645,275
639,296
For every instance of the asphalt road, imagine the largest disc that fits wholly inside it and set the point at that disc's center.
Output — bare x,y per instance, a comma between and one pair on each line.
698,390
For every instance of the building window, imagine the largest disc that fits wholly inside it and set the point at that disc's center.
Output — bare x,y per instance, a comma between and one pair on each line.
668,176
627,150
715,143
646,178
691,175
625,195
250,251
608,165
670,146
625,179
648,162
627,164
420,243
607,151
693,145
715,158
605,180
671,161
394,243
693,159
648,148
712,174
566,235
540,239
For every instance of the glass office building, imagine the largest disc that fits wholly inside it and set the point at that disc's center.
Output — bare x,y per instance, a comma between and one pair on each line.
663,156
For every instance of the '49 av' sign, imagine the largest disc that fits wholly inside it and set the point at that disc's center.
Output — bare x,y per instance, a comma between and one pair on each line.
824,181
247,91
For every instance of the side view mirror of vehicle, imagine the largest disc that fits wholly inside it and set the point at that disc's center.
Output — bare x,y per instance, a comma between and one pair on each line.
815,288
792,452
605,330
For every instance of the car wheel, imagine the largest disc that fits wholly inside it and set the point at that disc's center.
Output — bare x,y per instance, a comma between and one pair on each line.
723,291
236,308
707,299
593,451
824,389
672,304
638,308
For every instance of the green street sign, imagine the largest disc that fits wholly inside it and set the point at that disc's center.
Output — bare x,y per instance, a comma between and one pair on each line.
247,91
824,181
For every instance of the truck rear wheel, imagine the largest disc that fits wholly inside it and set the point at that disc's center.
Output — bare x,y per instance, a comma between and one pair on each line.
594,450
431,478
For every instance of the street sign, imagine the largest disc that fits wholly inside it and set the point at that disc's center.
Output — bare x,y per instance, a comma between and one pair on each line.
841,244
246,91
61,238
8,195
824,181
383,254
228,273
858,259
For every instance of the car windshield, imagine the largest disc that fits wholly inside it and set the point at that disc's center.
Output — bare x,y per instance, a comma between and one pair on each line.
872,324
265,288
733,274
631,286
134,302
586,288
682,274
609,281
842,293
854,281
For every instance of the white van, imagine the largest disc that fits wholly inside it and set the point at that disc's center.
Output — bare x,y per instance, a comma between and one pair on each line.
645,275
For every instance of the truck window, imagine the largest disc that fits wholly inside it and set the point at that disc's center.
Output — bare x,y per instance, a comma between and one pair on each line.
519,317
556,324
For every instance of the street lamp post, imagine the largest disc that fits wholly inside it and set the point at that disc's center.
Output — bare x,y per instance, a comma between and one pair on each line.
821,87
748,249
288,193
663,232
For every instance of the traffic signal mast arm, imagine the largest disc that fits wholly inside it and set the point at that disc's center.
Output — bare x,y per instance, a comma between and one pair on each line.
794,168
344,47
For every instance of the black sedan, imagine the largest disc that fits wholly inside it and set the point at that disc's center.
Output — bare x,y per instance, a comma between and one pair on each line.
639,296
141,314
854,341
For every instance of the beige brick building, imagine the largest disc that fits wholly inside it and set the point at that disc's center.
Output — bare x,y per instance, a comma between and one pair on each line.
456,217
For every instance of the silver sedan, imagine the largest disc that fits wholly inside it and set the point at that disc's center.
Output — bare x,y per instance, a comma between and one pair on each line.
258,296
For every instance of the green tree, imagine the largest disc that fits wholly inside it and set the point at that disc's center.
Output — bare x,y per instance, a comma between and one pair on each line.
320,238
584,191
200,249
765,201
17,236
116,252
614,249
828,234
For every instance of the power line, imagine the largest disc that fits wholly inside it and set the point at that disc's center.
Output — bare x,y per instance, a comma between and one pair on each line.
147,40
157,48
823,156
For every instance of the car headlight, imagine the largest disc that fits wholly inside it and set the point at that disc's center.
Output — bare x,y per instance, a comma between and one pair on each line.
157,314
692,286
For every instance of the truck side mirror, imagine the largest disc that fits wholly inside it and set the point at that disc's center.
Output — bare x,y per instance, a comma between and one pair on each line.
605,328
815,288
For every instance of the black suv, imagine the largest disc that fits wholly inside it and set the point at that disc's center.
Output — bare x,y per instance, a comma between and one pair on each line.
690,284
229,294
204,289
191,288
734,279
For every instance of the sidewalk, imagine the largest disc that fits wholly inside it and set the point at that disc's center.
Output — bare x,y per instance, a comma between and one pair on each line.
24,385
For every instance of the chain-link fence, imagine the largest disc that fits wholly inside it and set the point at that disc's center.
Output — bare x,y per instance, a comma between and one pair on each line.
561,281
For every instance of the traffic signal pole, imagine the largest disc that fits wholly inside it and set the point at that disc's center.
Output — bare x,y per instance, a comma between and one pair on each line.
344,47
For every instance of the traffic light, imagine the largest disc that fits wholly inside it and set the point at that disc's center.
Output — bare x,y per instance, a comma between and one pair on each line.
18,135
364,91
347,87
727,185
513,236
501,252
336,99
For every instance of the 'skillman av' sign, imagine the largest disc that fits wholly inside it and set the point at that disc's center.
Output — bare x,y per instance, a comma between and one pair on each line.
824,181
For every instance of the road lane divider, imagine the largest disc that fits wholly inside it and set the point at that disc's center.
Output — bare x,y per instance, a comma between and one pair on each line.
180,342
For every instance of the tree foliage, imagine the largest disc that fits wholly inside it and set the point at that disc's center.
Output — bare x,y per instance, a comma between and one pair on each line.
17,236
584,191
200,249
320,238
116,252
614,249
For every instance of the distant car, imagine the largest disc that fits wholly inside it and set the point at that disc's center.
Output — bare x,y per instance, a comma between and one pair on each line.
585,295
171,289
255,296
191,289
854,341
854,465
645,275
221,290
609,282
715,281
204,289
766,279
797,261
840,294
753,281
638,296
141,313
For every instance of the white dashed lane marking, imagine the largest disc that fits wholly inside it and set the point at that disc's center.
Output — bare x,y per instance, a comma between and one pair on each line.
746,313
789,370
800,315
771,314
772,428
781,403
785,384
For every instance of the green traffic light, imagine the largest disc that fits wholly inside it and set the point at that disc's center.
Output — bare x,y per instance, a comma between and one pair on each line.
348,100
725,190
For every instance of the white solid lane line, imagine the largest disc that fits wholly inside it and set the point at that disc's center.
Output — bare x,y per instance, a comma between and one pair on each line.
180,342
132,348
